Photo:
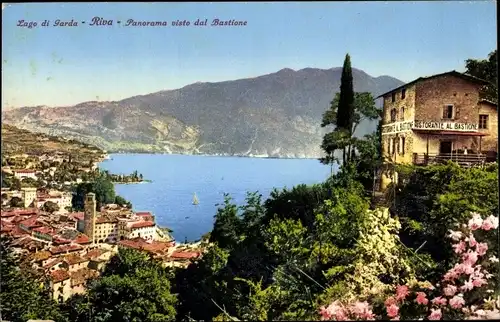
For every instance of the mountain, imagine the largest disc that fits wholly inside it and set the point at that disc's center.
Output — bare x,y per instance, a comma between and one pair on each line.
18,141
275,115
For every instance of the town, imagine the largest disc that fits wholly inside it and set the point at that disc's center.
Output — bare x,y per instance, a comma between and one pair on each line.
66,247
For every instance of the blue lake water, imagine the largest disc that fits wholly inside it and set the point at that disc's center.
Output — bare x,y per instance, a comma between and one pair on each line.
176,178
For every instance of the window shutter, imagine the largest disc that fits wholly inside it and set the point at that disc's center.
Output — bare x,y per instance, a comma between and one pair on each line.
457,113
445,108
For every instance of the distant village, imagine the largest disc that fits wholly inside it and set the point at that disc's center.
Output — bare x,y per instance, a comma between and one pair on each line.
64,247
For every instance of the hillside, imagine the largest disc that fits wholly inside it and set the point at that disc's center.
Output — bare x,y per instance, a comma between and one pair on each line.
275,115
19,141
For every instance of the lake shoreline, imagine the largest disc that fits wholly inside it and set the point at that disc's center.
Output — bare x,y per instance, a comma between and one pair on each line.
215,155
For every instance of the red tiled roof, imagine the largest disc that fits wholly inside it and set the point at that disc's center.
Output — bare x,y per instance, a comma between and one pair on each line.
24,171
31,223
57,240
19,212
64,248
185,255
82,239
144,213
59,276
74,259
93,253
82,275
76,215
103,220
52,263
18,232
43,230
142,224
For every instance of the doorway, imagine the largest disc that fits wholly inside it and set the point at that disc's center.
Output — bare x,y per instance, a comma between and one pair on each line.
445,147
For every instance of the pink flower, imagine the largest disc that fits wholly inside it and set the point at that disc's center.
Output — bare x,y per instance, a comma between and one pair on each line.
362,310
457,302
392,311
450,290
439,301
478,282
335,310
396,318
481,248
451,275
467,286
402,292
421,298
472,241
493,221
475,222
470,257
465,268
435,314
390,301
460,247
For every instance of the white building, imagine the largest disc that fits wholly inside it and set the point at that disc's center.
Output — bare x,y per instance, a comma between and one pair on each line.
24,173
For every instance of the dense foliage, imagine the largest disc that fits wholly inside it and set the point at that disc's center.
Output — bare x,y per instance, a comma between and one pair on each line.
485,69
132,288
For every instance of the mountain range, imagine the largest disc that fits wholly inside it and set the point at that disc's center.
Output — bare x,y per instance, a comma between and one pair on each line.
273,115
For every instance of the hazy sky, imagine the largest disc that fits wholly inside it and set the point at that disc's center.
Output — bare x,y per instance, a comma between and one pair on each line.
68,65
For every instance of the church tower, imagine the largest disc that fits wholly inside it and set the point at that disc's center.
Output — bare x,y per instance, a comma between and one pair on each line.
90,216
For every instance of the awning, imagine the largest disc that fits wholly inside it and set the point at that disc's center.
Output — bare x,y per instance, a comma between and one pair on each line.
460,133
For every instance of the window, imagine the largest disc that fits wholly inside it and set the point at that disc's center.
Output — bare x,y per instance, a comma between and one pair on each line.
448,112
403,93
483,122
402,146
393,115
402,116
393,97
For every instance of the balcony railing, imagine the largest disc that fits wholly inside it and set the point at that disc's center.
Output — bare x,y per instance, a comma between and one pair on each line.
462,159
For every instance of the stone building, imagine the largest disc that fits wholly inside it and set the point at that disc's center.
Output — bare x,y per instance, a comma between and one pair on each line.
89,218
438,118
29,195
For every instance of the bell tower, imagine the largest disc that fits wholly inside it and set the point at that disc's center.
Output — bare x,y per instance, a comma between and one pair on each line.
90,216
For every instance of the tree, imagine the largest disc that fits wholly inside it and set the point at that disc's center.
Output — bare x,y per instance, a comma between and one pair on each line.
132,288
102,187
227,225
16,202
485,69
50,207
22,296
346,115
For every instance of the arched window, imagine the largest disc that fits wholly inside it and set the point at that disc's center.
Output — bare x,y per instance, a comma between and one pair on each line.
394,113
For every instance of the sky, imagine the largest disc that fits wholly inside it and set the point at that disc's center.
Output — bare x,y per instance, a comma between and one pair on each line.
60,66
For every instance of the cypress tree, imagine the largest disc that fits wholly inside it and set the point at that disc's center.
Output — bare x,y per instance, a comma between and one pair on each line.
345,113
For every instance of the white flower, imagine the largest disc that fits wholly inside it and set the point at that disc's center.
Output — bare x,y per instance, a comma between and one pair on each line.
493,259
455,235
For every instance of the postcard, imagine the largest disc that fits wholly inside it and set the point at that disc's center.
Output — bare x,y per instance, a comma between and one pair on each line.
179,161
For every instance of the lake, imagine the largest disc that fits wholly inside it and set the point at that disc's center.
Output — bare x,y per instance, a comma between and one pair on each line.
176,178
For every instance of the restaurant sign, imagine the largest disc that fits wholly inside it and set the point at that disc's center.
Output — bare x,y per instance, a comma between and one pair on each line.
399,127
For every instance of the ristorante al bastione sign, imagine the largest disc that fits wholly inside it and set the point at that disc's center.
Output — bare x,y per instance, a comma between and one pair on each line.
399,127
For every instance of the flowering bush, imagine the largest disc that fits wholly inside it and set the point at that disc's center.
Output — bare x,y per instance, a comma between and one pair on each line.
461,293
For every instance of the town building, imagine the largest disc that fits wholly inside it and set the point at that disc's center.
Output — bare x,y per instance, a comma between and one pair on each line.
112,225
438,118
29,196
24,173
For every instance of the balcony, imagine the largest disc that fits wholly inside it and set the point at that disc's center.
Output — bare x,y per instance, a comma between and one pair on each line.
464,160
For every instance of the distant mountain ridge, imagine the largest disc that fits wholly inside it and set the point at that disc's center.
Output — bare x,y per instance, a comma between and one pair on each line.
273,115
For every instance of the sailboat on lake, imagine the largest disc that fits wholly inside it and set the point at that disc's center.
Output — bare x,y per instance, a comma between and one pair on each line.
195,199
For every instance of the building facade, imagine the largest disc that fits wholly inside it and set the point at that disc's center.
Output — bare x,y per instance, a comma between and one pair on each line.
438,118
